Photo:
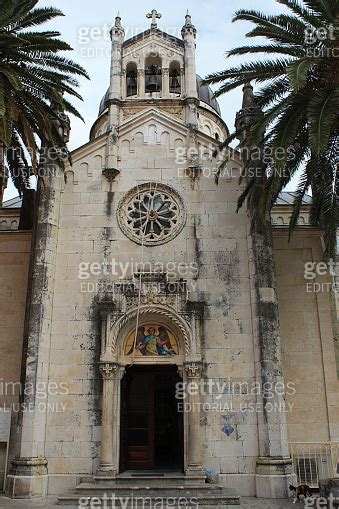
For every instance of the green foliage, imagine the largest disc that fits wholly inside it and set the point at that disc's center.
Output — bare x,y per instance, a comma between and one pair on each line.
298,92
34,78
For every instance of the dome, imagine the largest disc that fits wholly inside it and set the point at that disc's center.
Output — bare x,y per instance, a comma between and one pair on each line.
205,95
103,103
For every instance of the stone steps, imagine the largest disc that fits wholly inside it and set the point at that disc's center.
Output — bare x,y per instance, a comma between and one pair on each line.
154,480
145,492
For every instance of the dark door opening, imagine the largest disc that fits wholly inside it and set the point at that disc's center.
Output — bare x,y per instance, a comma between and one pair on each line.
151,426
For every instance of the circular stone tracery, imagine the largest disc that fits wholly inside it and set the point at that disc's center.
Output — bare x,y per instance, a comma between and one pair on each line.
151,214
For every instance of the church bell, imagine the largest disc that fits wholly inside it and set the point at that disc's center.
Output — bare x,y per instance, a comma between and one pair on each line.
174,83
131,82
152,83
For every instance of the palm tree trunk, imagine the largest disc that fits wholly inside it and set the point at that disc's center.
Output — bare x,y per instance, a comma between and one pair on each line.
336,183
2,173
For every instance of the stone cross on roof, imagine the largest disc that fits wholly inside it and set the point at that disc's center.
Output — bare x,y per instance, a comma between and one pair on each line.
154,14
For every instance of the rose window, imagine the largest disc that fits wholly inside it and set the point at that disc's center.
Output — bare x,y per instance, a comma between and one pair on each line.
151,214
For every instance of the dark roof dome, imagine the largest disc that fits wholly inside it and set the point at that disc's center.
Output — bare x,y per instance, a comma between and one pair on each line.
103,103
205,95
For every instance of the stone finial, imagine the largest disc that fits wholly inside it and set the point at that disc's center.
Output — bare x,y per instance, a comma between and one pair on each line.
188,28
188,18
62,122
249,112
248,99
154,15
117,31
117,22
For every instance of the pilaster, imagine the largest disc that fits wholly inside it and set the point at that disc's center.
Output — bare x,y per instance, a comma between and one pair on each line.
115,95
112,374
189,33
194,449
28,475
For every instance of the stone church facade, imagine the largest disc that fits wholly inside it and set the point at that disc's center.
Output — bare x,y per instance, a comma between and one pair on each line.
141,298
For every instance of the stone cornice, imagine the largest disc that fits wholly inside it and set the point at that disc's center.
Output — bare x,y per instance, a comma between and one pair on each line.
150,33
301,231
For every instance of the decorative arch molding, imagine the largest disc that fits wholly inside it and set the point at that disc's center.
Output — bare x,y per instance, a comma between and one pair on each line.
167,305
181,328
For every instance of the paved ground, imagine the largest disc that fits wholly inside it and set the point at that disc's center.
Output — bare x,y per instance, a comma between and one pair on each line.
50,503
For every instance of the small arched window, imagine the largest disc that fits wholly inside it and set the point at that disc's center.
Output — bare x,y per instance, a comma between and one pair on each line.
153,74
131,79
174,78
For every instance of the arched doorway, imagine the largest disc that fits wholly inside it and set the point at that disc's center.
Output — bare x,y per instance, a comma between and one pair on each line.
145,351
151,424
151,427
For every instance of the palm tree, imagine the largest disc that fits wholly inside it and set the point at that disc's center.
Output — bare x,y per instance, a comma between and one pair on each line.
299,96
34,79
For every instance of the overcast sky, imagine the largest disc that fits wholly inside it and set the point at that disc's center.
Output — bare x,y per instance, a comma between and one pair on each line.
86,24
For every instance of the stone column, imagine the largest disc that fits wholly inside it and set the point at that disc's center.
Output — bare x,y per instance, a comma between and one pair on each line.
165,82
194,465
141,82
110,437
192,145
115,93
189,34
191,100
123,84
182,81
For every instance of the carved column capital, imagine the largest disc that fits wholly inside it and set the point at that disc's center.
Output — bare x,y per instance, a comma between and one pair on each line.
111,371
196,309
110,174
193,369
106,308
165,71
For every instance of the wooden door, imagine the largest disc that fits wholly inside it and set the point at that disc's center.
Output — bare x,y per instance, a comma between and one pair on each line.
123,426
139,421
151,428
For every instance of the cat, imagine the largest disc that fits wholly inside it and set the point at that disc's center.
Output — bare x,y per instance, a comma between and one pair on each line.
302,489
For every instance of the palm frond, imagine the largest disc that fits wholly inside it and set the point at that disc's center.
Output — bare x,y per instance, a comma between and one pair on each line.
322,113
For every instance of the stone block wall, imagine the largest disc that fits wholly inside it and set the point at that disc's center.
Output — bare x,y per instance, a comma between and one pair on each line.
14,263
307,338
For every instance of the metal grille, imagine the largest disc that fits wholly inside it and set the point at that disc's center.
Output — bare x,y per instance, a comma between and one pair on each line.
314,461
